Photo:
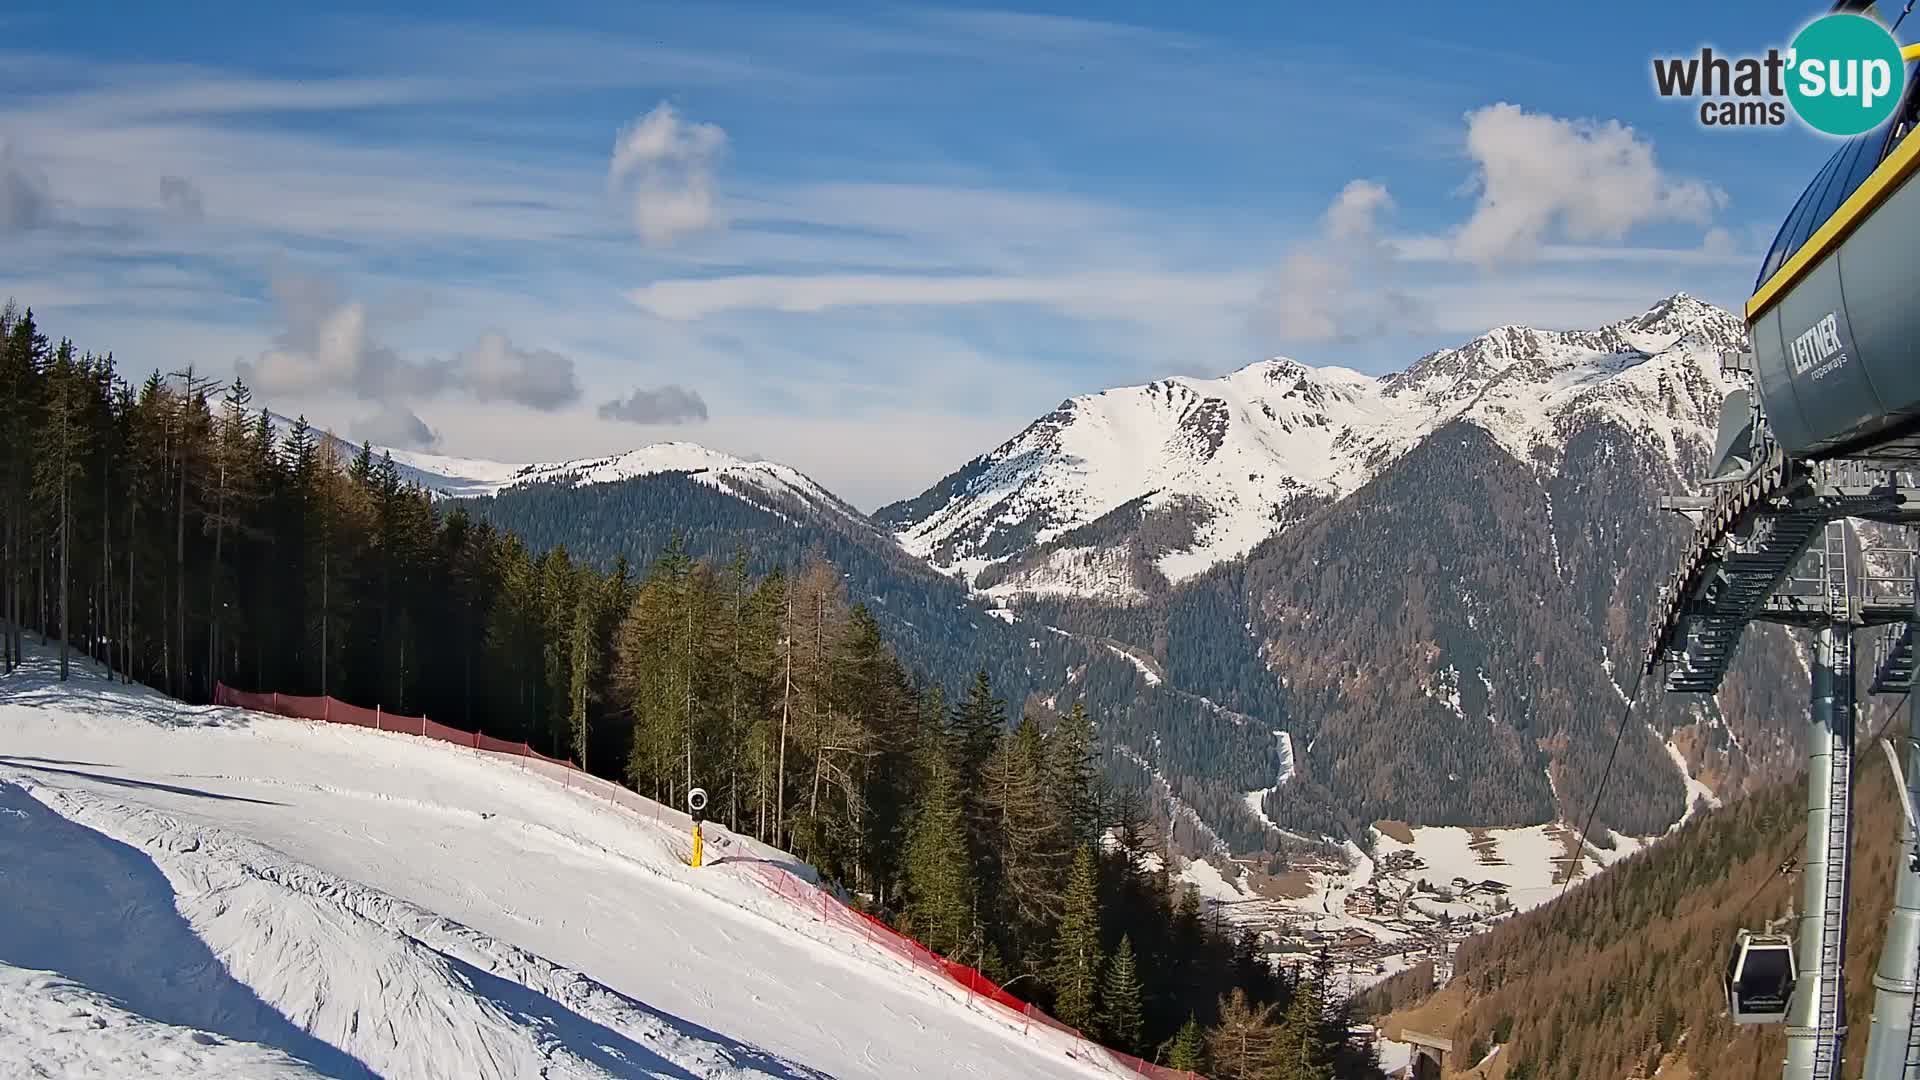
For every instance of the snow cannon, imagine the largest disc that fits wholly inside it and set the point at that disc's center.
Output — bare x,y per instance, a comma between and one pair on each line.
696,804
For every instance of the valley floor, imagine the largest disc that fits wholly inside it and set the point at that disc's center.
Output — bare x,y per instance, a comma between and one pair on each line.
195,890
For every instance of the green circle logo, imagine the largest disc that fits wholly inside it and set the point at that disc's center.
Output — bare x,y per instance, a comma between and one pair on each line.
1845,74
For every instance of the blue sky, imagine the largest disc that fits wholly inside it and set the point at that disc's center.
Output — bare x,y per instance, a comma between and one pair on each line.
869,241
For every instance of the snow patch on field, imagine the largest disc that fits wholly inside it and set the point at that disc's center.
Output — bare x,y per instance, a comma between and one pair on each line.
1525,860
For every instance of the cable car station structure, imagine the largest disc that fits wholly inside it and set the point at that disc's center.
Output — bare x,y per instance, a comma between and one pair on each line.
1827,429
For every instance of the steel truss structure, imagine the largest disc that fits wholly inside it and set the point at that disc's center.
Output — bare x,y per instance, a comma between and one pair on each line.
1772,544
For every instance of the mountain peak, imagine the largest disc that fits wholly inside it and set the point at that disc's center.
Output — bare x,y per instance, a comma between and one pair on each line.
1218,465
1682,315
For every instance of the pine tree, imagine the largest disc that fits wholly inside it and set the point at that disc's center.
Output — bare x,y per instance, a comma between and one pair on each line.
1120,1019
939,872
584,657
1073,777
1302,1052
1076,951
1189,1048
58,467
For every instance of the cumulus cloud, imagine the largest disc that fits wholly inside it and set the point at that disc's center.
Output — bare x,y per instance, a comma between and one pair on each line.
182,198
1332,286
327,343
1541,177
664,166
25,199
332,344
669,404
397,426
494,369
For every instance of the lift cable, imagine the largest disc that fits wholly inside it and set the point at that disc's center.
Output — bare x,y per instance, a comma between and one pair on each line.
1787,865
1606,773
1904,12
1580,852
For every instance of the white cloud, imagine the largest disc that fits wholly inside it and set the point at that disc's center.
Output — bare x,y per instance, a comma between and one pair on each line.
1334,285
1125,295
182,198
25,200
327,343
1540,177
494,369
669,404
664,166
331,344
396,426
1350,220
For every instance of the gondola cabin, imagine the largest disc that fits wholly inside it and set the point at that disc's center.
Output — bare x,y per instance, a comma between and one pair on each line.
1760,978
1833,318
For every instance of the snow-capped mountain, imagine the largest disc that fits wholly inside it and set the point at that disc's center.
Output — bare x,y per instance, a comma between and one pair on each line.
766,484
1206,469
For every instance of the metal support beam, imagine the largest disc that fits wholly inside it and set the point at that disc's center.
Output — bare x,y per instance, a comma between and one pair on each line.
1893,1046
1817,1022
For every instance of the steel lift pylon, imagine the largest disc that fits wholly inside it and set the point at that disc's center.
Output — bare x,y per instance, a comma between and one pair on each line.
1773,545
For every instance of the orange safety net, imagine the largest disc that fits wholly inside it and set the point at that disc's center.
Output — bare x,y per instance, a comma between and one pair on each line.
802,893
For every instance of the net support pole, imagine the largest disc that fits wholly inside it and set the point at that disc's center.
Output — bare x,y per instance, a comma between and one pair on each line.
1894,1041
1816,1021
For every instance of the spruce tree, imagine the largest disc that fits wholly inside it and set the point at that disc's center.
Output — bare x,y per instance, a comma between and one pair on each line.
939,872
1303,1053
1189,1048
58,468
1073,776
1076,952
1120,1000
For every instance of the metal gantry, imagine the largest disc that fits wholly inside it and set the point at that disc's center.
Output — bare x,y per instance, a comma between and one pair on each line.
1773,545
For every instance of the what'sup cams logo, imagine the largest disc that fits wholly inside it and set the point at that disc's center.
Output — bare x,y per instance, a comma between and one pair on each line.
1842,75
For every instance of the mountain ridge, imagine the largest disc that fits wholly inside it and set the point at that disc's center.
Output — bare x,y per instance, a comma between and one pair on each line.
1231,461
1226,594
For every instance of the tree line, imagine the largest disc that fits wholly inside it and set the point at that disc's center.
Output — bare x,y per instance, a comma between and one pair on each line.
178,536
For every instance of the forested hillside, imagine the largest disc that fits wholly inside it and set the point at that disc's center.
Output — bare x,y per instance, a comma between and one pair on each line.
1207,755
1450,642
1624,973
166,531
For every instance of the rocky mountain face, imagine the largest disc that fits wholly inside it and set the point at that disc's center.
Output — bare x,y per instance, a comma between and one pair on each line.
1120,494
1435,583
1443,574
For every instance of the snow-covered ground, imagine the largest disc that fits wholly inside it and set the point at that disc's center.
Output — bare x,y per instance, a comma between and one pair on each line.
1697,792
1146,671
198,890
1526,860
1257,799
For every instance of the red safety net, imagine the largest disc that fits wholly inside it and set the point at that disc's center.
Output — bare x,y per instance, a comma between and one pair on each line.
804,894
980,989
334,711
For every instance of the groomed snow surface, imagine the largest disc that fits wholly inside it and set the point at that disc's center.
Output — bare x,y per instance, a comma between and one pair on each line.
195,891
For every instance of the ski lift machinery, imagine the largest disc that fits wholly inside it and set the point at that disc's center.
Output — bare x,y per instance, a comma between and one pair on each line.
1844,266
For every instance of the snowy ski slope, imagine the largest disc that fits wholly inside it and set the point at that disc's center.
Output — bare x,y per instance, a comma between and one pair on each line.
193,891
